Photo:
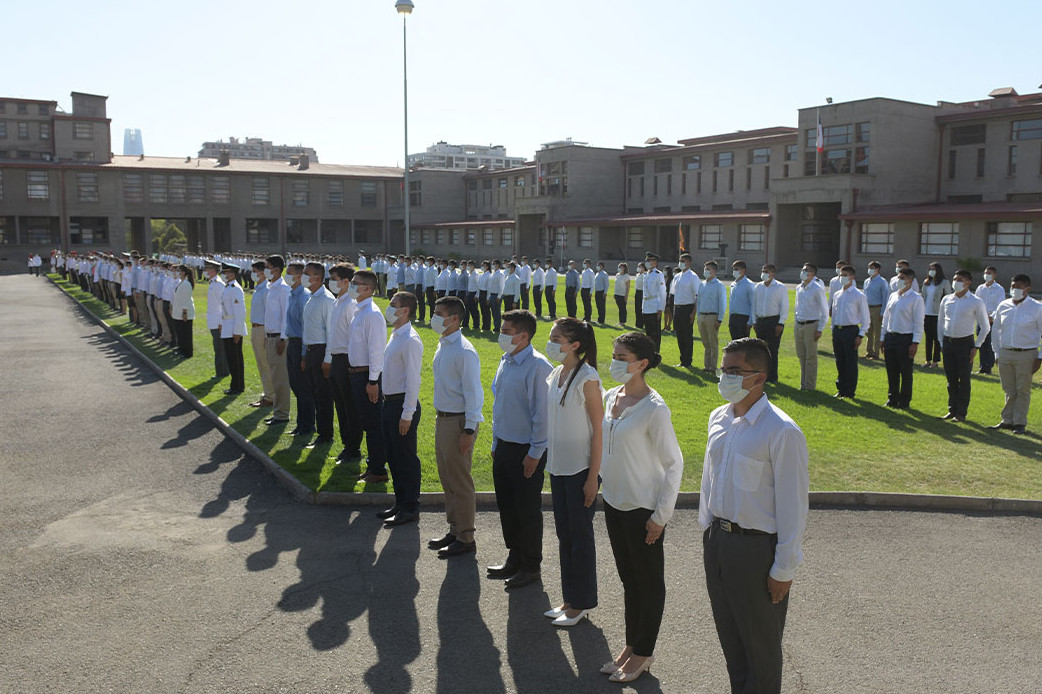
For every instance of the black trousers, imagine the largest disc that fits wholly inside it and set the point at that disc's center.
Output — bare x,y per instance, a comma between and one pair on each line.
620,303
520,504
344,404
465,320
524,296
551,301
898,368
684,328
748,624
765,330
653,329
431,299
472,309
220,358
401,454
183,330
486,311
601,299
321,389
738,325
495,309
300,385
844,348
587,305
421,302
569,300
233,355
508,303
537,299
369,415
931,339
986,354
957,368
642,570
577,545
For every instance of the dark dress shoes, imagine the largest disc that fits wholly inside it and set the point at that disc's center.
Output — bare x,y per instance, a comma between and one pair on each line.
387,512
402,518
505,570
456,549
440,542
521,578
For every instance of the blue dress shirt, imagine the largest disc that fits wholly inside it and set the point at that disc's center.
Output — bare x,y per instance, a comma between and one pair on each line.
519,400
295,312
742,297
712,297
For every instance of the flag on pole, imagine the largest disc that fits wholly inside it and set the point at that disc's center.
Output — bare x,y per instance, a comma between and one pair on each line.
680,230
820,136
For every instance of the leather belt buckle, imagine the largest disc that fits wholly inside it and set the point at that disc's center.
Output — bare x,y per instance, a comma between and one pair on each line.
725,525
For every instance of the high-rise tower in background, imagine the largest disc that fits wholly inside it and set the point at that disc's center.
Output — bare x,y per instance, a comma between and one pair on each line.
132,144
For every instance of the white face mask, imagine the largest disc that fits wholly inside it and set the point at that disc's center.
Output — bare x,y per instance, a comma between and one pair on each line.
933,273
908,284
838,271
268,274
619,370
1017,293
352,291
229,278
707,274
506,343
255,276
958,286
989,277
438,324
335,288
845,280
804,275
391,315
871,272
554,351
764,276
897,270
730,387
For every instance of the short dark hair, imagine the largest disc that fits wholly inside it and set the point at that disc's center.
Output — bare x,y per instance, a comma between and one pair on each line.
294,266
712,264
965,274
904,262
755,351
453,305
523,320
406,300
738,265
343,271
316,267
841,264
685,256
1021,278
849,268
258,265
276,261
992,269
812,266
770,267
906,272
642,347
876,265
367,277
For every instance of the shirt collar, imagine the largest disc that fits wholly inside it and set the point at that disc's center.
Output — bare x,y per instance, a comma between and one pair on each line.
520,357
454,337
754,412
366,301
402,329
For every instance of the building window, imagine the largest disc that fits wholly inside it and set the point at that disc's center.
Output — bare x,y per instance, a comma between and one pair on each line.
968,134
641,186
414,238
663,165
23,109
939,238
1009,240
38,185
133,188
751,237
415,193
791,152
428,237
766,177
301,193
1011,166
877,239
654,186
178,191
88,230
698,183
45,131
501,182
836,161
486,184
23,130
860,160
710,237
519,181
730,181
980,163
472,185
3,130
951,164
635,238
760,155
455,237
748,178
368,194
723,159
220,190
336,194
157,188
816,237
440,236
635,168
487,238
44,110
585,237
506,237
693,162
196,190
87,186
83,156
259,231
261,191
714,182
472,238
82,131
1026,129
39,231
862,132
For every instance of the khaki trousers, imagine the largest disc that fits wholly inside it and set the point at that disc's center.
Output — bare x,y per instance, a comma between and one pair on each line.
1015,375
456,480
279,378
807,353
709,331
872,334
260,355
157,306
142,312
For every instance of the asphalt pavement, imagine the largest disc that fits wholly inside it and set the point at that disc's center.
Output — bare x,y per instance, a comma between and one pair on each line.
141,551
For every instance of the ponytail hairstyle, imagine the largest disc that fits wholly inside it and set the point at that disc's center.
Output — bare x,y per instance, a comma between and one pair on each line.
642,347
575,330
189,275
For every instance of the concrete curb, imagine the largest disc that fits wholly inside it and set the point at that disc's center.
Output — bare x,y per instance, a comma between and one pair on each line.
689,500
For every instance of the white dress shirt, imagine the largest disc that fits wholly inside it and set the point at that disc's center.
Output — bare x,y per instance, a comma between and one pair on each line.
654,292
550,279
340,317
850,307
483,279
183,301
904,313
959,315
495,283
403,357
512,287
568,430
367,338
755,474
685,288
1018,325
213,302
897,278
586,279
316,318
276,301
233,311
538,275
992,295
811,303
441,282
524,273
622,284
770,300
457,379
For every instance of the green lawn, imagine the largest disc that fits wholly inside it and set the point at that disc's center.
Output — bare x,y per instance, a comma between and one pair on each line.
855,446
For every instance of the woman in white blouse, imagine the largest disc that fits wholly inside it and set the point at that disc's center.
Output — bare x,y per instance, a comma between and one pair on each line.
182,309
622,291
641,467
935,287
638,295
574,462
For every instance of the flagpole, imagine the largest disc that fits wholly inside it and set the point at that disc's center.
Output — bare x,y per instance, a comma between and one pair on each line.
819,144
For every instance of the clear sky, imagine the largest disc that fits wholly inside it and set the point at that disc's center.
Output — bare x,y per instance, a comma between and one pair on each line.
520,73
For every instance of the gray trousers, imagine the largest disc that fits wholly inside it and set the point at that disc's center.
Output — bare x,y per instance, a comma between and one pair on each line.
1015,375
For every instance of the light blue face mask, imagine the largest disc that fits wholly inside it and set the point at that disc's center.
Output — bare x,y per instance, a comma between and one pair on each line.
730,387
619,370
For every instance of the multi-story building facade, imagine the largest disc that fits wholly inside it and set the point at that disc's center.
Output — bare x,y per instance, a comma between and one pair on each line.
442,155
256,148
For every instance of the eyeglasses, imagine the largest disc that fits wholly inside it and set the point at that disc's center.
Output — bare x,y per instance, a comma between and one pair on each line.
735,371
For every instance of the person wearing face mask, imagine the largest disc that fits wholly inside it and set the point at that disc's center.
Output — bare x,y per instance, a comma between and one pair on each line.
901,331
876,291
458,399
257,334
233,327
483,303
600,292
622,290
214,292
585,289
519,447
316,326
1016,336
183,309
574,440
770,308
430,278
935,288
550,288
538,279
524,273
753,512
654,300
291,345
495,293
511,289
276,304
850,321
571,289
638,295
336,366
836,284
471,300
684,291
896,279
740,302
641,469
992,294
960,313
711,305
366,340
812,313
441,284
400,414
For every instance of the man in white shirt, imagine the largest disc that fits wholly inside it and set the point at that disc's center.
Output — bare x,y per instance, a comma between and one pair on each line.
275,305
992,294
317,326
850,321
586,289
812,312
685,293
1016,335
524,273
361,260
213,311
430,278
770,308
458,399
550,288
336,366
901,265
960,313
538,278
835,284
366,340
400,415
233,327
753,512
654,301
901,331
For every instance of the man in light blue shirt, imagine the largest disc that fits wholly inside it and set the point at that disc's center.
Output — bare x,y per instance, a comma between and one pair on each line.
519,440
710,304
571,288
877,291
316,329
293,333
741,302
600,291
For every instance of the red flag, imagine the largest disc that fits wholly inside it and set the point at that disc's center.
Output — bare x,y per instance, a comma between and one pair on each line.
680,229
820,136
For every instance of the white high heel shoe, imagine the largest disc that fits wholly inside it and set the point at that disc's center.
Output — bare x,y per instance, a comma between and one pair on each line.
565,621
554,612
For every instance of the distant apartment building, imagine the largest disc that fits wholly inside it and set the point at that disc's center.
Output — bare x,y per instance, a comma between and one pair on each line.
442,155
255,148
133,146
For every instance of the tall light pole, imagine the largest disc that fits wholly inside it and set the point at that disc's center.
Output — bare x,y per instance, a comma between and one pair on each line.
404,8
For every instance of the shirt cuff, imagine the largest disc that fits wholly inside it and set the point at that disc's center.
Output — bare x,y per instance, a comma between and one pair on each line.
407,413
470,423
781,575
374,375
536,451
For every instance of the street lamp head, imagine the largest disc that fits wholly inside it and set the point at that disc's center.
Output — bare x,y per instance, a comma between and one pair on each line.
404,6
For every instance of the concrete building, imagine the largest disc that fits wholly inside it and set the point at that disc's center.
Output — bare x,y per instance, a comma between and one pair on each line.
442,155
132,143
255,148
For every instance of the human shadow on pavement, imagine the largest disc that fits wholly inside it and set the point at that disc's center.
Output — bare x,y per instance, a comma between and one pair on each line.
394,625
468,659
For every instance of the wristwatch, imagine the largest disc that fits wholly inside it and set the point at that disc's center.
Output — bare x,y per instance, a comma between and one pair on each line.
468,432
372,382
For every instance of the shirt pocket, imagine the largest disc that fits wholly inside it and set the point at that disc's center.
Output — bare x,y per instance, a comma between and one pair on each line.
747,473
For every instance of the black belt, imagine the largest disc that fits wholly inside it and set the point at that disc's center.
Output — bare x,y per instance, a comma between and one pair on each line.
1021,349
805,322
708,313
358,369
875,305
317,345
959,339
296,339
774,317
273,334
394,396
450,414
729,527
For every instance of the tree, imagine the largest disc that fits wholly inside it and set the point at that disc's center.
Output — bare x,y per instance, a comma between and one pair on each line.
167,237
